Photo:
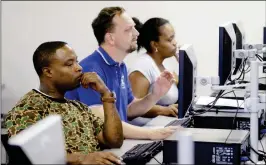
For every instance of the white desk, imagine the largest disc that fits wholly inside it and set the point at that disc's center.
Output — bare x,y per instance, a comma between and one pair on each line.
129,143
158,121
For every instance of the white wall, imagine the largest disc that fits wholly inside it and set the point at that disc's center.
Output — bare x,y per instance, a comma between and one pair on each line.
27,24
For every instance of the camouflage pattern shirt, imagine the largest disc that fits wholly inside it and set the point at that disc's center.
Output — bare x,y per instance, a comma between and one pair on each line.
81,127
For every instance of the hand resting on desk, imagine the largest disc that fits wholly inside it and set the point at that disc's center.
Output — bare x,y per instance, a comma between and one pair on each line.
171,110
93,158
135,132
162,133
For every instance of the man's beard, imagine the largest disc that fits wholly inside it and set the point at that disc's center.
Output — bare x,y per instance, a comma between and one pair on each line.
131,49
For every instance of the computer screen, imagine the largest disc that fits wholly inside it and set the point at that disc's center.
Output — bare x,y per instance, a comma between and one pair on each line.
187,79
264,35
264,54
240,40
227,43
41,143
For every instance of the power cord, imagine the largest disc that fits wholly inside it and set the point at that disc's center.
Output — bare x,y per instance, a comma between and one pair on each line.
195,112
264,153
157,161
221,91
246,157
188,109
234,118
251,160
248,68
259,154
242,67
259,57
262,145
243,70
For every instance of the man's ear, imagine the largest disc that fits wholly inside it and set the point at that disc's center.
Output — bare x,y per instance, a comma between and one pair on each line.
109,38
47,72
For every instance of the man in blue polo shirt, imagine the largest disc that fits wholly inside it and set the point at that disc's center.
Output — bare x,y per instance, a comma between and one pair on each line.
115,77
116,35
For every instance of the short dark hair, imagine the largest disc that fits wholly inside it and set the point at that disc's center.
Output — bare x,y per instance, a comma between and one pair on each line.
103,23
42,55
150,32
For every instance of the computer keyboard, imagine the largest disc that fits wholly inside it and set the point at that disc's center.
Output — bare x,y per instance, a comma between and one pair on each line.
180,122
142,153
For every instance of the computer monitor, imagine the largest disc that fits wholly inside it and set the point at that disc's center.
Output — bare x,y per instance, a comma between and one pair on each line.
187,79
264,35
227,43
240,41
264,54
41,143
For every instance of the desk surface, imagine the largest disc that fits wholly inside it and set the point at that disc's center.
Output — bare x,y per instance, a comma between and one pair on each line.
129,143
159,121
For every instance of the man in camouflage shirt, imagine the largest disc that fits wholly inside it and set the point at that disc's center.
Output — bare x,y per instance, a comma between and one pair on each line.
57,67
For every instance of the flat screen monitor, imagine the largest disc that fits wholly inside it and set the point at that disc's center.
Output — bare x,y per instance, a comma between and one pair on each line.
240,41
40,143
187,79
227,44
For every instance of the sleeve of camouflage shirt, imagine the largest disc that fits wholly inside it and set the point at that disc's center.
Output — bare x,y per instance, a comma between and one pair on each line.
18,120
97,122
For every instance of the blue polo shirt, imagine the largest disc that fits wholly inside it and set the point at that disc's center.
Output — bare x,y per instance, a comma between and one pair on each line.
114,76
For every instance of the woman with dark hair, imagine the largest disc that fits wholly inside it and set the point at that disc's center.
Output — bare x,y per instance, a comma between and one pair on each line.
157,37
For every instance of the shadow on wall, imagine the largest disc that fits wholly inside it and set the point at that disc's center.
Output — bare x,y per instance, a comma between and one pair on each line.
9,99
